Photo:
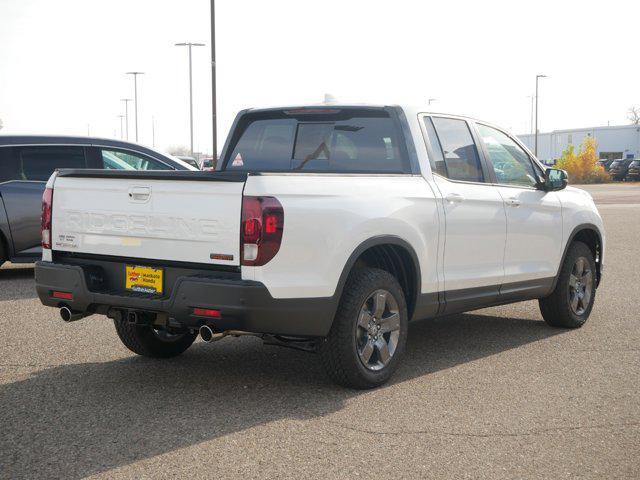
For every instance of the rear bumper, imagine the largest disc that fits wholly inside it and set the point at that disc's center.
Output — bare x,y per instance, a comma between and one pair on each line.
244,305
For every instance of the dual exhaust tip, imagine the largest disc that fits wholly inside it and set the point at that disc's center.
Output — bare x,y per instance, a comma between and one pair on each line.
69,315
206,332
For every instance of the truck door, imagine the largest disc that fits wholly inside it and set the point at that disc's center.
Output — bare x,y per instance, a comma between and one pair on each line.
475,219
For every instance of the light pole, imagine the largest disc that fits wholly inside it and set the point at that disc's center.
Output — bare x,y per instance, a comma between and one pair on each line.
535,151
189,44
126,113
431,100
121,117
213,81
135,96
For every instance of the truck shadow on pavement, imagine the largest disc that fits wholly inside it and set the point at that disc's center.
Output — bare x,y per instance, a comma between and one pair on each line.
75,420
17,283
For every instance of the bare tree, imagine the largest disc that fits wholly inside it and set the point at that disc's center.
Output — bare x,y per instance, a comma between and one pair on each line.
634,115
178,150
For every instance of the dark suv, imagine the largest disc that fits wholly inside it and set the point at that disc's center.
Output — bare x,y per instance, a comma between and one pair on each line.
27,162
618,169
634,170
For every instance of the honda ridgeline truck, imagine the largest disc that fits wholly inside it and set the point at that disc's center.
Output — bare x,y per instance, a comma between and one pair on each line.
325,228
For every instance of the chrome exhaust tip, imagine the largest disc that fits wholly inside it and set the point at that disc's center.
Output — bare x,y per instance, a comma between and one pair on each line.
206,333
69,315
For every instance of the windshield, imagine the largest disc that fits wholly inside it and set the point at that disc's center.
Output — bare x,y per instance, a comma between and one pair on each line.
318,140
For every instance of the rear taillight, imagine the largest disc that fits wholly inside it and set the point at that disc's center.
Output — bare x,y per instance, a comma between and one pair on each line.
47,203
262,225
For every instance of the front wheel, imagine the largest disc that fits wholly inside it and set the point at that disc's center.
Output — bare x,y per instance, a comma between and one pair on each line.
570,303
369,332
146,341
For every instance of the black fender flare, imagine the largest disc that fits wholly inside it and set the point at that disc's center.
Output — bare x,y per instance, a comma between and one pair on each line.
577,229
367,244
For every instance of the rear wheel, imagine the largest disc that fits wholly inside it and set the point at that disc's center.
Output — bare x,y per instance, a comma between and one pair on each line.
149,342
369,332
570,304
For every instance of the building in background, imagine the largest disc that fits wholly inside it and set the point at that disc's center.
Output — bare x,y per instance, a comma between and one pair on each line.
612,142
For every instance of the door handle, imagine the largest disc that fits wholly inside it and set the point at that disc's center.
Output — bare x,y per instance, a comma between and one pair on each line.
454,198
139,194
513,202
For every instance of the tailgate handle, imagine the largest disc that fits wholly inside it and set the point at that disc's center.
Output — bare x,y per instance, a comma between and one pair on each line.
139,194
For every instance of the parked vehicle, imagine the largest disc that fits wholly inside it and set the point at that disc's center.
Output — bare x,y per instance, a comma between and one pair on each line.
605,163
619,168
325,229
633,173
190,160
26,163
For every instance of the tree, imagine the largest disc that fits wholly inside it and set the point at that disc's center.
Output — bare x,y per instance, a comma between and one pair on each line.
582,167
1,124
634,115
178,150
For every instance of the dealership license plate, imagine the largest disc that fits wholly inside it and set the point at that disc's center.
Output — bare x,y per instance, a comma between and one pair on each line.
143,279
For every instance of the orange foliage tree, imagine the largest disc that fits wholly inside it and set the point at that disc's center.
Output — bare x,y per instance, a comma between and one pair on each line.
582,167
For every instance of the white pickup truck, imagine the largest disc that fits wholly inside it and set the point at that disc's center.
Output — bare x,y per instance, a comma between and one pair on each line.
326,228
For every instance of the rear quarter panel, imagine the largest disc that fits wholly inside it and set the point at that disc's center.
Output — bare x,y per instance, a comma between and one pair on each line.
326,217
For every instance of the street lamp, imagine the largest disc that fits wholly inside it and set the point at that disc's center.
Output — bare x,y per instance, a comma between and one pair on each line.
213,81
135,96
535,151
189,44
121,117
126,113
431,100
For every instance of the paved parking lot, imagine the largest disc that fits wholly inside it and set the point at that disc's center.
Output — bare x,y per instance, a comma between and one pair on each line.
490,394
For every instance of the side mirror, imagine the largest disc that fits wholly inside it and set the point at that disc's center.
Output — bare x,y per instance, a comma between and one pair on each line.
555,179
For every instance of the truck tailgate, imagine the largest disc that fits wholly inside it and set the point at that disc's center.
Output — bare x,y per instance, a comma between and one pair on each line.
162,216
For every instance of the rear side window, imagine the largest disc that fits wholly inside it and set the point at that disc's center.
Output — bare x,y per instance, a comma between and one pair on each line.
333,141
126,160
8,164
459,151
38,163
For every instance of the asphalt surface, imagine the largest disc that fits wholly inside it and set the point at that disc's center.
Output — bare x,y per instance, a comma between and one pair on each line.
491,394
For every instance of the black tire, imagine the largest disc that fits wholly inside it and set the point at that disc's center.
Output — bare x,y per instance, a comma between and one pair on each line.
556,308
3,257
143,340
339,350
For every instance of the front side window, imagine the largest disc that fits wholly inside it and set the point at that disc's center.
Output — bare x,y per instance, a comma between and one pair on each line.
38,163
334,141
127,160
510,162
459,151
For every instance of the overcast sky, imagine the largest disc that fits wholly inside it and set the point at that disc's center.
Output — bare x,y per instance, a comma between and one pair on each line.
62,62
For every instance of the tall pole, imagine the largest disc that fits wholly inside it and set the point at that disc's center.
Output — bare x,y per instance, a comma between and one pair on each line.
126,113
121,132
535,151
213,82
153,131
135,96
189,45
431,100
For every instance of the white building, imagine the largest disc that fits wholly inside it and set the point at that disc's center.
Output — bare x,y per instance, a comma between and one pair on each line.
611,142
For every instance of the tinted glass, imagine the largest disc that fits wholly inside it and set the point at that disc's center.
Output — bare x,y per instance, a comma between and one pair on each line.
38,163
8,164
127,160
340,142
436,159
510,162
459,150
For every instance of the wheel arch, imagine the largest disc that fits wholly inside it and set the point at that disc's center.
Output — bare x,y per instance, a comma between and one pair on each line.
590,235
390,253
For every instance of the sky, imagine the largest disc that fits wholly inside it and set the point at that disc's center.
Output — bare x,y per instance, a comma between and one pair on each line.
63,62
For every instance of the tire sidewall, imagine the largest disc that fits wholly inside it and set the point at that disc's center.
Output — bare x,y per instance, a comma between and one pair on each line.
578,250
387,282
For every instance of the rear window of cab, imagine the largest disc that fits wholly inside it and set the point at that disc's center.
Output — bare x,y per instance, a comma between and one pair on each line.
318,140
